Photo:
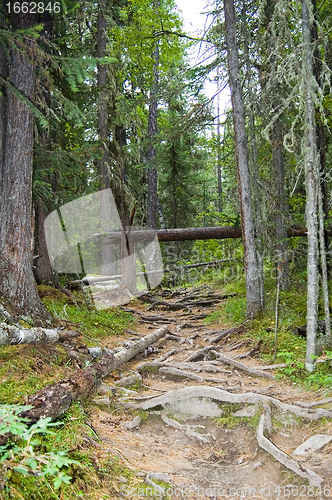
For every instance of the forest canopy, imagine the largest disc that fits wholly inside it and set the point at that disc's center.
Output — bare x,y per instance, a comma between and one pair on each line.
99,95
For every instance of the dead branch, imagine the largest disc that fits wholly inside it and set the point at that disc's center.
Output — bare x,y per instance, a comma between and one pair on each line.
13,335
171,336
177,306
52,401
225,333
168,354
272,367
283,458
153,318
200,353
253,351
241,366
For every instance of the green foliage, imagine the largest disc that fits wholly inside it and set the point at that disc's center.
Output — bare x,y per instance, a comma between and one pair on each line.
21,453
95,324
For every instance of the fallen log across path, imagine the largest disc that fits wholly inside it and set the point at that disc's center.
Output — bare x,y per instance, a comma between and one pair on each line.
13,335
54,400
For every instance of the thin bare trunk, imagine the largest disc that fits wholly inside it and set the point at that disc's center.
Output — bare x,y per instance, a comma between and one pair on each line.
278,166
152,131
324,269
310,157
107,255
219,147
257,198
248,233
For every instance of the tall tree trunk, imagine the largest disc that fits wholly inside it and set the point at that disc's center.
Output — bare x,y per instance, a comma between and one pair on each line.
257,200
107,254
42,265
102,101
17,283
278,165
3,92
311,170
278,160
219,147
152,131
317,69
242,157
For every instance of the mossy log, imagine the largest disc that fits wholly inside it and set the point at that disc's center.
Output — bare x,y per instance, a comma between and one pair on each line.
54,400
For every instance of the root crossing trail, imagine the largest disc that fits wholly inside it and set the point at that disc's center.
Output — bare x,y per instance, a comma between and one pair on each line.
198,416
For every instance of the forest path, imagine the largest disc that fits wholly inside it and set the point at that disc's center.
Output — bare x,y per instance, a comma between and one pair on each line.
181,442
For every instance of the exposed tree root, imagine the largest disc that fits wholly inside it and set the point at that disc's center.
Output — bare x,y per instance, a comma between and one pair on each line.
241,366
176,372
283,458
188,429
226,397
195,367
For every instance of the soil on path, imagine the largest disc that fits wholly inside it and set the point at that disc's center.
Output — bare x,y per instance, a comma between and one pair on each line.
200,448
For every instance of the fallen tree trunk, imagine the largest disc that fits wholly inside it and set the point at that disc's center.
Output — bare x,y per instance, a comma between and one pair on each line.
180,234
211,263
13,335
54,400
194,233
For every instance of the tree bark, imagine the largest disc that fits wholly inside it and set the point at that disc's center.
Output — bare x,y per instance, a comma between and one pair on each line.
278,160
17,283
54,400
3,92
102,101
317,68
196,233
12,335
248,234
311,170
152,131
43,269
278,165
257,198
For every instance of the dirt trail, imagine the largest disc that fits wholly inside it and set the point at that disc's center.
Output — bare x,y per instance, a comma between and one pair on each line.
200,458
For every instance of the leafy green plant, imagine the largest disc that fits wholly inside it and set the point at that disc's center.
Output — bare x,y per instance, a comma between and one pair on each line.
21,453
294,365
